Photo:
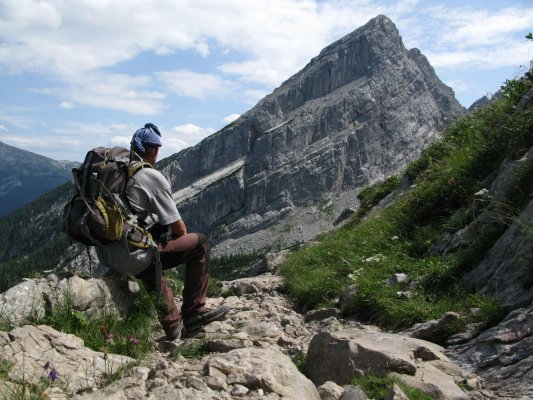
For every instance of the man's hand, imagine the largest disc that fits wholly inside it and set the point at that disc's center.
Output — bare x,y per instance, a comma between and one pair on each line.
178,228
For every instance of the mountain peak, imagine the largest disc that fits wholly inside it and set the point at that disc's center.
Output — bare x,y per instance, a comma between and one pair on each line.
358,112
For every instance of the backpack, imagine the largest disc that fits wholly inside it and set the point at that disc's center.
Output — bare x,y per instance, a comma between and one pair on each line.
99,213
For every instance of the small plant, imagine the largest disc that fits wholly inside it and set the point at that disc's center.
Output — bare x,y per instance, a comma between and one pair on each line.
5,367
191,349
377,388
21,389
372,195
299,359
106,331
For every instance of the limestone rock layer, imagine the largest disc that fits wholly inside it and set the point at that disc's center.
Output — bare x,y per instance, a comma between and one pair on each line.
357,113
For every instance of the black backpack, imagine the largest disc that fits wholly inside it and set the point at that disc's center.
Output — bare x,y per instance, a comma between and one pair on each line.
99,213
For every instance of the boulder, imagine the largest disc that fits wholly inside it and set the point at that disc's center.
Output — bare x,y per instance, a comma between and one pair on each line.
31,299
35,351
267,369
502,355
338,356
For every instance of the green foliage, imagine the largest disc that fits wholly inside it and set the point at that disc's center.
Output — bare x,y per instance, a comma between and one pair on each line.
130,334
25,249
191,349
443,198
234,266
5,367
299,359
377,388
48,256
372,195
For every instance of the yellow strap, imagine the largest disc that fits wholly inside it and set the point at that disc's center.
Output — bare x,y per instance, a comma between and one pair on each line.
133,168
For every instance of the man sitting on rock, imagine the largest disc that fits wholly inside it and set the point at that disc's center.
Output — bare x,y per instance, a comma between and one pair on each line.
149,194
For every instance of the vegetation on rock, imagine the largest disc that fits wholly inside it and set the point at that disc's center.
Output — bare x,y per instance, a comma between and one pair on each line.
444,181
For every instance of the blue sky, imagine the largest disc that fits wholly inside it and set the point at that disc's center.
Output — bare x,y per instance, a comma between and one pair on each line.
79,74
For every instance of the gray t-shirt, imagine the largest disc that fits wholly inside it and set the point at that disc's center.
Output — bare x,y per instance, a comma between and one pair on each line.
149,194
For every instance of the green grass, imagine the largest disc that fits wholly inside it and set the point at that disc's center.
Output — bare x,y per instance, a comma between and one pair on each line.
191,349
129,335
5,367
446,178
377,388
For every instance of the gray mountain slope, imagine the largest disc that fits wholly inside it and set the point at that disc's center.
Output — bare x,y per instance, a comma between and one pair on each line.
357,113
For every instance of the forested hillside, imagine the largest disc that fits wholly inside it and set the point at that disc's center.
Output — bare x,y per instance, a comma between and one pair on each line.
26,175
31,238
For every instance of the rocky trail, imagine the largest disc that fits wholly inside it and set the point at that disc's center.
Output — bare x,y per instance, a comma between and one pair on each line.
254,352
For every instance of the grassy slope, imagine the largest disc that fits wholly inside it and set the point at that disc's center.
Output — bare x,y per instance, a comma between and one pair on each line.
369,250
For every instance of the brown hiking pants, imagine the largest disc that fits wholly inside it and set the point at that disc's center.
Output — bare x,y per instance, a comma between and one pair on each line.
191,249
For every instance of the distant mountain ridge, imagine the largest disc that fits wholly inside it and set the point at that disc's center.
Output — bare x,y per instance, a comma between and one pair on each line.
26,175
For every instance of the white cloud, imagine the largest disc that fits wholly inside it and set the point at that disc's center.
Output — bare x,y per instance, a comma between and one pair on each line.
181,137
274,39
123,141
114,91
3,128
66,104
481,58
458,85
24,141
194,84
230,118
473,37
465,27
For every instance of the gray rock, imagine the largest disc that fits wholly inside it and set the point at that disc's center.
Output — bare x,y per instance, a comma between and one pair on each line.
346,297
330,391
396,393
435,329
30,299
353,393
269,263
344,215
262,283
526,100
320,314
502,355
36,350
396,278
337,356
268,369
502,271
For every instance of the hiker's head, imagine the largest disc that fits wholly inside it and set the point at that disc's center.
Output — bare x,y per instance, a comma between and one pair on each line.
147,141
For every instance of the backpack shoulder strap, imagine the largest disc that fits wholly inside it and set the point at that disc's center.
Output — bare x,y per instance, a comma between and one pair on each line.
136,166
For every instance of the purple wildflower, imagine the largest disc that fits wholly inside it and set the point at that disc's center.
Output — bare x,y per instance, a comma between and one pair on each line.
52,375
134,340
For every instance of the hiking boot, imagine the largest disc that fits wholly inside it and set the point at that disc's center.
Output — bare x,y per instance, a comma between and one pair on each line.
195,322
176,332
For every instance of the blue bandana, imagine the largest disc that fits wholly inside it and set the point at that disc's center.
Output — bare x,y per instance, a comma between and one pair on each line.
147,135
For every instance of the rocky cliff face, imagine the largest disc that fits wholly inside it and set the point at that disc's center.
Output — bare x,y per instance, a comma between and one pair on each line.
358,112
